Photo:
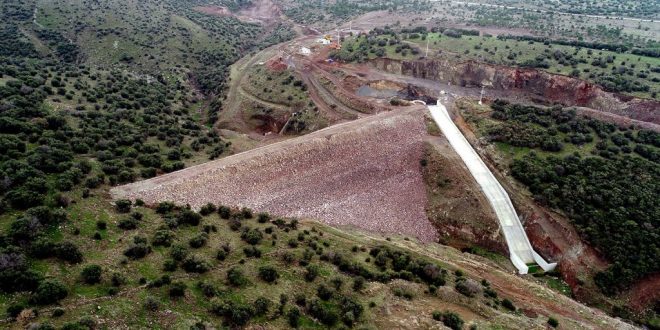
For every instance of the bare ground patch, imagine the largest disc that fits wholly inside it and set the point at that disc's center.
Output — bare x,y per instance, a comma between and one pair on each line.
365,173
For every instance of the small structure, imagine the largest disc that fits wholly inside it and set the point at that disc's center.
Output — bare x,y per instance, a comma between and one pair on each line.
305,51
323,41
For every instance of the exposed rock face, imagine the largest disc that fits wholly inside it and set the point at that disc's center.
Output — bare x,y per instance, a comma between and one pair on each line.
538,84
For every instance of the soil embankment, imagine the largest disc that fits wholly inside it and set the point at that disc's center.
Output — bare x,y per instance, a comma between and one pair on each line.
457,207
540,85
365,173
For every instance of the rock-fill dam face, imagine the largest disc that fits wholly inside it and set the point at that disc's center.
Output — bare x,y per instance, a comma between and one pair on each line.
536,84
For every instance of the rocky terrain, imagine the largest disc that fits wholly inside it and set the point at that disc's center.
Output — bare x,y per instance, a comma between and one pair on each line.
365,173
541,86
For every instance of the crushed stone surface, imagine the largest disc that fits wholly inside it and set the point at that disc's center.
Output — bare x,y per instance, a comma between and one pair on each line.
364,173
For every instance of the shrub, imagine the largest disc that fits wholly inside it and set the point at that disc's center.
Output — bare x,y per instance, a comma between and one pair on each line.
68,251
128,223
246,213
148,172
170,265
177,289
236,314
57,312
207,209
151,304
178,252
91,274
101,225
165,207
323,314
452,320
117,279
139,249
263,217
323,292
252,236
506,303
208,289
49,292
14,310
261,306
358,283
163,280
351,310
221,255
311,272
194,264
403,292
235,277
300,299
553,322
234,224
189,217
252,252
123,205
46,326
337,282
198,240
468,287
288,258
293,317
163,237
268,274
224,212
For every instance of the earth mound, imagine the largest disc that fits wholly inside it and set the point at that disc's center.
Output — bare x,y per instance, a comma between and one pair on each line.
365,173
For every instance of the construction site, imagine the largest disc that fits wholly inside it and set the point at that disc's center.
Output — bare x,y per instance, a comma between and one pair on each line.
347,144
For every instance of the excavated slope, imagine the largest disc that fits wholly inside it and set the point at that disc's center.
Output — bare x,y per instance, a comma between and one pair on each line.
539,84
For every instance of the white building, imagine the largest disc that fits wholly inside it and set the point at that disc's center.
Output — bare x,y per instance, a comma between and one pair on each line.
323,41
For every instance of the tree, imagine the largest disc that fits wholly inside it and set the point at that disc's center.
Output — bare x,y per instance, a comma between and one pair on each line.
49,292
293,317
91,274
123,205
68,251
235,277
311,272
252,236
189,217
194,264
358,283
261,306
177,289
452,320
506,303
268,274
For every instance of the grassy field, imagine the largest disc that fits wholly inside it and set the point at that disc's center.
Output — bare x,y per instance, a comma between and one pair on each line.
524,18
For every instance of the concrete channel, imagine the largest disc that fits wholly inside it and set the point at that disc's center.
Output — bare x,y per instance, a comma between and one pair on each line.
521,251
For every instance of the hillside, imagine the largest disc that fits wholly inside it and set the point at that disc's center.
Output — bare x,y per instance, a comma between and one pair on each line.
193,164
